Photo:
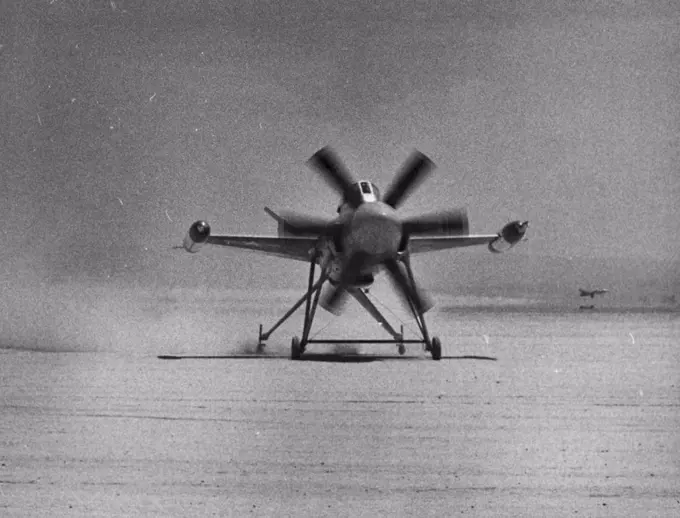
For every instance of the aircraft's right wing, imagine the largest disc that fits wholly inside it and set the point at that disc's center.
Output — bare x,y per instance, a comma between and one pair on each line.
297,248
420,245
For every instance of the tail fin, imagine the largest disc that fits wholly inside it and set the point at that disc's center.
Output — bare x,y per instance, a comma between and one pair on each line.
273,214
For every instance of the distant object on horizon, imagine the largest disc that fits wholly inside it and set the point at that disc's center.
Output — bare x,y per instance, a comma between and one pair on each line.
592,293
581,308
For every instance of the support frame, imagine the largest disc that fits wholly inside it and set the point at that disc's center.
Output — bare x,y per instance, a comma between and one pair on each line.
311,301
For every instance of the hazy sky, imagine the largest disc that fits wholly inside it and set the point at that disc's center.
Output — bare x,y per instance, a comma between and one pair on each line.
123,122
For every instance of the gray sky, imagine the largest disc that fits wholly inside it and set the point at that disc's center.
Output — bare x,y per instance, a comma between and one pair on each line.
126,121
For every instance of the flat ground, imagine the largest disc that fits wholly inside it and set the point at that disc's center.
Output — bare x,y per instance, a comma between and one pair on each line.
576,415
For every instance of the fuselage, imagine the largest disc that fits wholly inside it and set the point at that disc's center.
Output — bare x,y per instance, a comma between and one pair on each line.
372,229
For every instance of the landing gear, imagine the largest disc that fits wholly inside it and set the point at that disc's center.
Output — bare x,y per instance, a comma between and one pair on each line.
436,349
260,343
295,349
311,301
433,346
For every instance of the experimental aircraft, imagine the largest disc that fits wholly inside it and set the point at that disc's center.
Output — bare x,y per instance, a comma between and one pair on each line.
366,237
592,293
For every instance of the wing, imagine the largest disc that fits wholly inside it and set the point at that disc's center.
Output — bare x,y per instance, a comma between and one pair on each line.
420,245
298,248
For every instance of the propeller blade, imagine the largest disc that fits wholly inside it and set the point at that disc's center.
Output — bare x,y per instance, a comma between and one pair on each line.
303,225
451,223
420,300
326,162
350,272
411,174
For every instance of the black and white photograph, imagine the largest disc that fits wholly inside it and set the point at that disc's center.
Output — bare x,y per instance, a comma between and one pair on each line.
410,258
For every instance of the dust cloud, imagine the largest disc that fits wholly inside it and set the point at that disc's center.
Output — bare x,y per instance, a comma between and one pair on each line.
90,317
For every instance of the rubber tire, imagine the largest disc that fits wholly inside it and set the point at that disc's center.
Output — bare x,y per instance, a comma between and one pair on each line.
436,349
295,349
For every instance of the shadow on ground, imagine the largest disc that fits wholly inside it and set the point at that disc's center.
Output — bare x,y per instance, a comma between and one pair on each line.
315,357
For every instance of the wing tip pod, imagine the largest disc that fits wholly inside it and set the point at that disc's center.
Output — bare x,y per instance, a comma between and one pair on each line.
197,236
509,236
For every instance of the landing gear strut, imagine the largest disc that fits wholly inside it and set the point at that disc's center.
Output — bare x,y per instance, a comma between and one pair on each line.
295,349
311,301
436,348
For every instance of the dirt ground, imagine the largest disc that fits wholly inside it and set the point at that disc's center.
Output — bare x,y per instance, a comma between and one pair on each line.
564,417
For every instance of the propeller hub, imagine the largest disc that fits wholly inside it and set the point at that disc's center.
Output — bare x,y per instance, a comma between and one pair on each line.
374,230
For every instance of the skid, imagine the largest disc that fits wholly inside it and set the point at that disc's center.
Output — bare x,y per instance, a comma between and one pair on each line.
311,301
367,341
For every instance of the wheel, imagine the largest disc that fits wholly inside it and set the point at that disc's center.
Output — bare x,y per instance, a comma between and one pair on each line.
436,348
402,349
295,349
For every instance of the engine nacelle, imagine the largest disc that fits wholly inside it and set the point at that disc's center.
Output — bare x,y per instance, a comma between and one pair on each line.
197,236
509,236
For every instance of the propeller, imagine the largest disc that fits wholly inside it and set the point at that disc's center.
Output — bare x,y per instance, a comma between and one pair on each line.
450,223
411,174
327,163
350,272
304,225
420,300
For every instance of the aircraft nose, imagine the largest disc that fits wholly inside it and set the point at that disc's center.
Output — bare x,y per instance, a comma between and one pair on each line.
375,230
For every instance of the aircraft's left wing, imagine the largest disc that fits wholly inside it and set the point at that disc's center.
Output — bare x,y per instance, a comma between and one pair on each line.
509,236
420,245
298,248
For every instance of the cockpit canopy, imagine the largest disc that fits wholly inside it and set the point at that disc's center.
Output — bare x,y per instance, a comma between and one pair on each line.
364,191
